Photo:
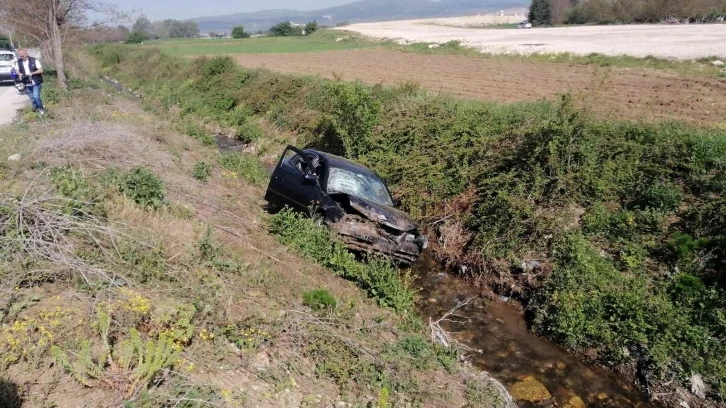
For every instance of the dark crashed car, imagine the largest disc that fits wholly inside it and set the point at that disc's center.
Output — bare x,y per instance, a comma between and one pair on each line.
350,198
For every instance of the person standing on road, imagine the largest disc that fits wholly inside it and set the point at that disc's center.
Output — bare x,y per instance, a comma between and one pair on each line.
31,73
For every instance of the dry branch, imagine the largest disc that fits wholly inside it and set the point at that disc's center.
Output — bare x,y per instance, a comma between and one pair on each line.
39,228
441,336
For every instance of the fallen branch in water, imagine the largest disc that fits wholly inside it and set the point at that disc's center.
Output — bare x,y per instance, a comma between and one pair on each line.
442,337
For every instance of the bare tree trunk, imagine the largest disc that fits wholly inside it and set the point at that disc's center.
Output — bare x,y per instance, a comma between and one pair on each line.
57,46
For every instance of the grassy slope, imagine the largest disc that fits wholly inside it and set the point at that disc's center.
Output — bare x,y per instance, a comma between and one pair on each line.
210,307
625,219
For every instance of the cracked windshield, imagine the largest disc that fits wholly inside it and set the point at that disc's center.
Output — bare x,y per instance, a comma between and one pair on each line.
358,184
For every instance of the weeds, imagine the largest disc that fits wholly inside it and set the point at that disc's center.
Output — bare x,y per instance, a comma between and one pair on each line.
248,132
143,187
202,171
247,336
480,394
378,277
319,300
29,338
245,166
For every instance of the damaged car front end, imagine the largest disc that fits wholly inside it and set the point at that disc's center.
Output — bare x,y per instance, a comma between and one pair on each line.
351,199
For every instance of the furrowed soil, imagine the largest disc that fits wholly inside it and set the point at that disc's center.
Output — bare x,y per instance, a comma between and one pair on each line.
634,94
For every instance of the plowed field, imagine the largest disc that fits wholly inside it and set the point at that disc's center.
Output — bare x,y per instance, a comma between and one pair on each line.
609,92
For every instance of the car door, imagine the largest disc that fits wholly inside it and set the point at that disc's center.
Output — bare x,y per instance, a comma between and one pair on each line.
6,64
292,183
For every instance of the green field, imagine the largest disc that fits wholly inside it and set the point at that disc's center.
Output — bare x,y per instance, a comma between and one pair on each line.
331,40
321,41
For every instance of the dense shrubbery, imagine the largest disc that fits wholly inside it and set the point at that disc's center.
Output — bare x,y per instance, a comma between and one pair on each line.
630,216
135,37
139,184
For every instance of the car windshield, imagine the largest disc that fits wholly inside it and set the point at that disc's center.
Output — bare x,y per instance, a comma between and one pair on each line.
363,185
7,57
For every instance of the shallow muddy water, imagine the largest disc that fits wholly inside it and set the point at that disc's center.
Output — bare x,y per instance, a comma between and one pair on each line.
509,351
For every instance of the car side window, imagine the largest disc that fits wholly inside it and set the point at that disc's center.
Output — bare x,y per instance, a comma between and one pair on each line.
296,161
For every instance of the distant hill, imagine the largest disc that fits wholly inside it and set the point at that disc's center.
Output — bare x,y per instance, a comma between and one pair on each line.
360,11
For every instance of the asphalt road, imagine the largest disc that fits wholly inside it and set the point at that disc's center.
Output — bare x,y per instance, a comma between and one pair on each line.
10,102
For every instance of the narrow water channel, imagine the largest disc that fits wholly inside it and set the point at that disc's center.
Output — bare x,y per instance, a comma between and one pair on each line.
510,352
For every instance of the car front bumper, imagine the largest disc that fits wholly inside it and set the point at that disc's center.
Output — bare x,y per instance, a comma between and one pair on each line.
362,235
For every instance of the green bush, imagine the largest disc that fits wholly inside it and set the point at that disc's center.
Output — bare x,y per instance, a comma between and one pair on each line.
86,192
590,303
142,186
377,276
202,171
52,94
4,42
136,37
248,132
351,112
73,184
213,67
106,56
285,29
319,300
659,196
145,263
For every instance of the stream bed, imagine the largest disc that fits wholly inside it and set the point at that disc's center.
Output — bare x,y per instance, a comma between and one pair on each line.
511,353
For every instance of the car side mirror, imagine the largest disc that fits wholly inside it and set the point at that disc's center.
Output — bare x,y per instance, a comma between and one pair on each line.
310,179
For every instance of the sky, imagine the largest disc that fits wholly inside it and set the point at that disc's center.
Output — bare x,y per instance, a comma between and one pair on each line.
183,9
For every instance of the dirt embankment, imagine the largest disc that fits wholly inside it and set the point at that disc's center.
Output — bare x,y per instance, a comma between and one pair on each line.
192,303
610,92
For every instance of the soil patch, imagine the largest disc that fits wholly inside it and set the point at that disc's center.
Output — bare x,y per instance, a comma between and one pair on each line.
610,92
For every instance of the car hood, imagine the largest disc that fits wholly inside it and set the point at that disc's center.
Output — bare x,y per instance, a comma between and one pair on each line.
383,214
